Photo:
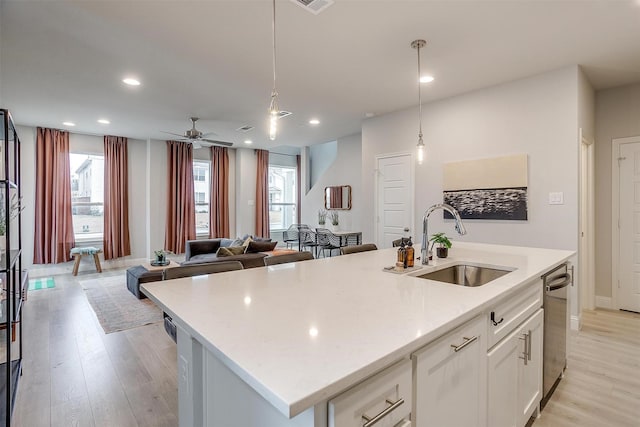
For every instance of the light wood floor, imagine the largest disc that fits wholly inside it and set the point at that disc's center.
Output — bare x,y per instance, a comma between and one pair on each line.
75,375
601,386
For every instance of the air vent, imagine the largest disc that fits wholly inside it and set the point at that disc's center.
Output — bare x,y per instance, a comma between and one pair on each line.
245,128
314,6
282,114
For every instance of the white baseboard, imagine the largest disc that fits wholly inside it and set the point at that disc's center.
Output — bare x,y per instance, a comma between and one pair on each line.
575,323
604,302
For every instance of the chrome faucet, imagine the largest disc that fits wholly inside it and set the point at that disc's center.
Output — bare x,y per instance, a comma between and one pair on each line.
425,227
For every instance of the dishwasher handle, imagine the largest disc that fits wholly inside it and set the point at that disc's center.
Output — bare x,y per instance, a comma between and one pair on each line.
565,281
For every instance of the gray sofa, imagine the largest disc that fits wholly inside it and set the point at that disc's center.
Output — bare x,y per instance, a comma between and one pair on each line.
204,251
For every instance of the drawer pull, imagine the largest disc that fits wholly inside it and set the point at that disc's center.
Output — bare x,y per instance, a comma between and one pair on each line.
526,354
493,319
386,411
466,342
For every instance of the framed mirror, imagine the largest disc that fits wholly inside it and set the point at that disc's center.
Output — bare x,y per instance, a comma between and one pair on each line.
337,197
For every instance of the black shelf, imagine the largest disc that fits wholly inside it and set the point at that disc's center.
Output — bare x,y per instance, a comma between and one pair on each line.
16,368
13,278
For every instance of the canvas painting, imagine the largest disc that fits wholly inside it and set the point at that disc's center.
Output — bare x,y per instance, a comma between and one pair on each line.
493,189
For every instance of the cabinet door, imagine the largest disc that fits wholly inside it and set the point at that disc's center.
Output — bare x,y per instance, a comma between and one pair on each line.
450,379
530,374
503,383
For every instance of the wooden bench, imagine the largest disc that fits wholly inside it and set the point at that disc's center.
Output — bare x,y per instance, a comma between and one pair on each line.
88,250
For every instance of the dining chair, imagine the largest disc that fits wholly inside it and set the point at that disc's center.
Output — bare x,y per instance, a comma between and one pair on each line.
282,259
200,269
358,248
328,241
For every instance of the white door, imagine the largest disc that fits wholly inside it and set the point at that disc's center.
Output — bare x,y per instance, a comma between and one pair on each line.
394,199
629,263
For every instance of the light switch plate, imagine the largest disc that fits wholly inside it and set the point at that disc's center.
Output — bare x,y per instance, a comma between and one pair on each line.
556,198
251,202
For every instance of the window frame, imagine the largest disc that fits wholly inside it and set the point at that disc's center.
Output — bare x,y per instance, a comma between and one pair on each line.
283,204
201,233
81,236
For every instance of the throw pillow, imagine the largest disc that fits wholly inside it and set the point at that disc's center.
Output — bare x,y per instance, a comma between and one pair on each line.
261,239
230,251
237,242
261,246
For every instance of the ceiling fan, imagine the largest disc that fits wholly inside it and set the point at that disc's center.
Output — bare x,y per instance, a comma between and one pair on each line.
197,138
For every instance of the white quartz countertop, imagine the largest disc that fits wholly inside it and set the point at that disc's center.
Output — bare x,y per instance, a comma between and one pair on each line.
300,333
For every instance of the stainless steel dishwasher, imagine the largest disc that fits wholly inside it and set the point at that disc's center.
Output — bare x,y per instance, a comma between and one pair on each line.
556,317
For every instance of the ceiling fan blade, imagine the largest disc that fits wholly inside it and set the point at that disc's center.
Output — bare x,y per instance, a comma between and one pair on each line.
204,135
226,144
171,133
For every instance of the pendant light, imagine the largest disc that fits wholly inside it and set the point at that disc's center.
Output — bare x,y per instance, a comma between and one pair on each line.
418,44
273,106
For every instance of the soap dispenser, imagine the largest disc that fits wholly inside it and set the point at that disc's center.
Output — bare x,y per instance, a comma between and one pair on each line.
410,255
401,262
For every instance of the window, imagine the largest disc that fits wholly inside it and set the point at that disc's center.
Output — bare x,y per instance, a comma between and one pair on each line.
282,197
200,171
87,195
202,189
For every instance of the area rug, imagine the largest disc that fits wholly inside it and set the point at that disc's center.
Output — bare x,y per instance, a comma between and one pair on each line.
115,307
41,283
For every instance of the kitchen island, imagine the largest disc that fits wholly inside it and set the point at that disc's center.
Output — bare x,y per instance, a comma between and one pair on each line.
272,346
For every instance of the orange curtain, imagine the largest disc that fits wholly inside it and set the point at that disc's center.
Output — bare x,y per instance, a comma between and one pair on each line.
53,237
116,198
181,208
262,193
299,189
219,209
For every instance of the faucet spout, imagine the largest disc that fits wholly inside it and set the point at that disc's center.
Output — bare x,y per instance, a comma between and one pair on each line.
460,228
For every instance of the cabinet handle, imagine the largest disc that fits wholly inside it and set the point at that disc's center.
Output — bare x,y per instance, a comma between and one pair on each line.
386,411
493,319
466,342
526,354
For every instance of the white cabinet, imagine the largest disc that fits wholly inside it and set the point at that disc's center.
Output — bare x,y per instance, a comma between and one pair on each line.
515,375
385,397
450,379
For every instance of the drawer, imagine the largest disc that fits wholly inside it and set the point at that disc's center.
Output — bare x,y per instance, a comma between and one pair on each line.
511,312
376,395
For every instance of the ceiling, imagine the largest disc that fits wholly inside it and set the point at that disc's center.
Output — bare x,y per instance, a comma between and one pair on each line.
64,60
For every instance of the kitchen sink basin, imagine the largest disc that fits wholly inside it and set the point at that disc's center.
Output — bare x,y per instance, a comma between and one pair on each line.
465,275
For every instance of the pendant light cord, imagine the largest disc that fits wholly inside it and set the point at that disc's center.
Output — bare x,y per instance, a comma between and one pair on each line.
419,96
274,47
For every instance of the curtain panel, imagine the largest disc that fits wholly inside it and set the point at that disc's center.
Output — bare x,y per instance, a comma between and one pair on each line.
181,210
219,208
116,198
262,193
53,237
298,189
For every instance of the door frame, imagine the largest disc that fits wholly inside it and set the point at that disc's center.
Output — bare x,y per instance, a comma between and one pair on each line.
615,214
586,254
376,219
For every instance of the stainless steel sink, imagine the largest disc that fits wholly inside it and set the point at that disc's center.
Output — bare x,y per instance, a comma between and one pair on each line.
465,275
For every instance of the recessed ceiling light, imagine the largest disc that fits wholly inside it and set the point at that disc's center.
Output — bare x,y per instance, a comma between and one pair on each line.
131,81
103,121
248,141
426,79
314,122
68,123
369,115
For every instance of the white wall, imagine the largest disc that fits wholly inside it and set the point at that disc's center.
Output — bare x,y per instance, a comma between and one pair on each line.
245,177
345,170
536,116
617,116
321,156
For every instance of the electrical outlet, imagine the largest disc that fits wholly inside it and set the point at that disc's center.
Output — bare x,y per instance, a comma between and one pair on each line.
183,373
